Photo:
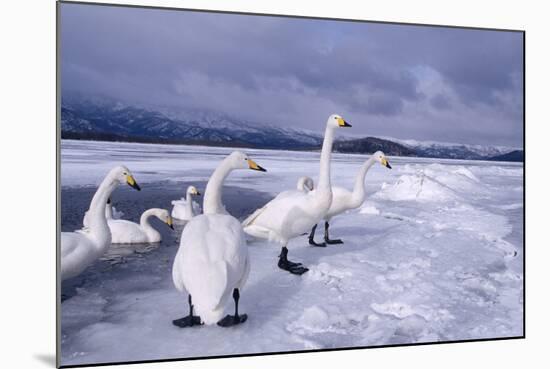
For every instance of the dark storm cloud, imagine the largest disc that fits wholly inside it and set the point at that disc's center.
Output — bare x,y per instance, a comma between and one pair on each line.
410,82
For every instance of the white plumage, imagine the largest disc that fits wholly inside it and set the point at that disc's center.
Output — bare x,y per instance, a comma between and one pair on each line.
344,200
212,260
127,232
292,213
81,248
186,208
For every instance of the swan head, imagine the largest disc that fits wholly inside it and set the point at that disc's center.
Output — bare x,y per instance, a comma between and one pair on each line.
381,158
164,216
192,190
336,121
123,175
305,184
239,160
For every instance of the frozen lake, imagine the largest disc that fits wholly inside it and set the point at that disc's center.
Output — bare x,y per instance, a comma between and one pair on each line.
434,254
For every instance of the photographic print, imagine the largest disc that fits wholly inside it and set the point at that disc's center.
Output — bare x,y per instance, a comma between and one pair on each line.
238,184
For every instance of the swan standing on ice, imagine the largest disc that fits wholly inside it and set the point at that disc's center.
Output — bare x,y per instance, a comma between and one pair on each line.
186,208
212,260
293,213
81,248
125,232
343,200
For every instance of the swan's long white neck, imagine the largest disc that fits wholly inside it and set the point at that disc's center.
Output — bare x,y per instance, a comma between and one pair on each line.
97,221
144,222
212,202
189,202
324,170
359,193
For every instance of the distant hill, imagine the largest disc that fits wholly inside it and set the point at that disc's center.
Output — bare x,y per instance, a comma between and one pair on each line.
372,144
105,119
102,119
516,155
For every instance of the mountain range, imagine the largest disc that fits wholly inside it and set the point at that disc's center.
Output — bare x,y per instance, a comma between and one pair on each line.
98,118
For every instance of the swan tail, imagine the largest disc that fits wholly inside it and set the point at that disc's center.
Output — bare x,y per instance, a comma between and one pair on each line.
210,301
210,317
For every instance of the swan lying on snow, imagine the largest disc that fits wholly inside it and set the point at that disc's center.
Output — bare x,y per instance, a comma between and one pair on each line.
110,213
81,248
186,208
212,260
343,200
125,232
293,213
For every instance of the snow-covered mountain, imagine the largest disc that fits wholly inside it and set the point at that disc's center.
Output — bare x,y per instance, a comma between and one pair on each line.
454,150
98,118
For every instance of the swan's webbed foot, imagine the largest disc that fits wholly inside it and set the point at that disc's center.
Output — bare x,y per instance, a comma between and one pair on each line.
328,241
312,236
313,243
289,266
294,269
189,320
283,260
231,320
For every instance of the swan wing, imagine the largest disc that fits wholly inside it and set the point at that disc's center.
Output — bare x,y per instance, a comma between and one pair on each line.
250,219
273,203
341,201
181,202
211,262
116,214
124,232
286,216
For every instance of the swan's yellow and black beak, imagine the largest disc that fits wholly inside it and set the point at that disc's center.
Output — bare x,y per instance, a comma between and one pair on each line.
197,193
343,123
386,163
252,165
169,222
132,182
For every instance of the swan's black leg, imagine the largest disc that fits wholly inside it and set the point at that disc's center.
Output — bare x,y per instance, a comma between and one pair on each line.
190,320
285,264
231,320
312,236
283,255
327,239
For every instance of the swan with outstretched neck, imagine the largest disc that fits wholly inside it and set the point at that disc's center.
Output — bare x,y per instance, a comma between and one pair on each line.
127,232
293,213
186,208
343,199
212,261
80,249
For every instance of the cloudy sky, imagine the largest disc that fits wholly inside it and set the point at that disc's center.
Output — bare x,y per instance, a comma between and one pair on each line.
409,82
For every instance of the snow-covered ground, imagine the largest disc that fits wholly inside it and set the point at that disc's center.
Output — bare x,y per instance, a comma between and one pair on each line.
434,254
